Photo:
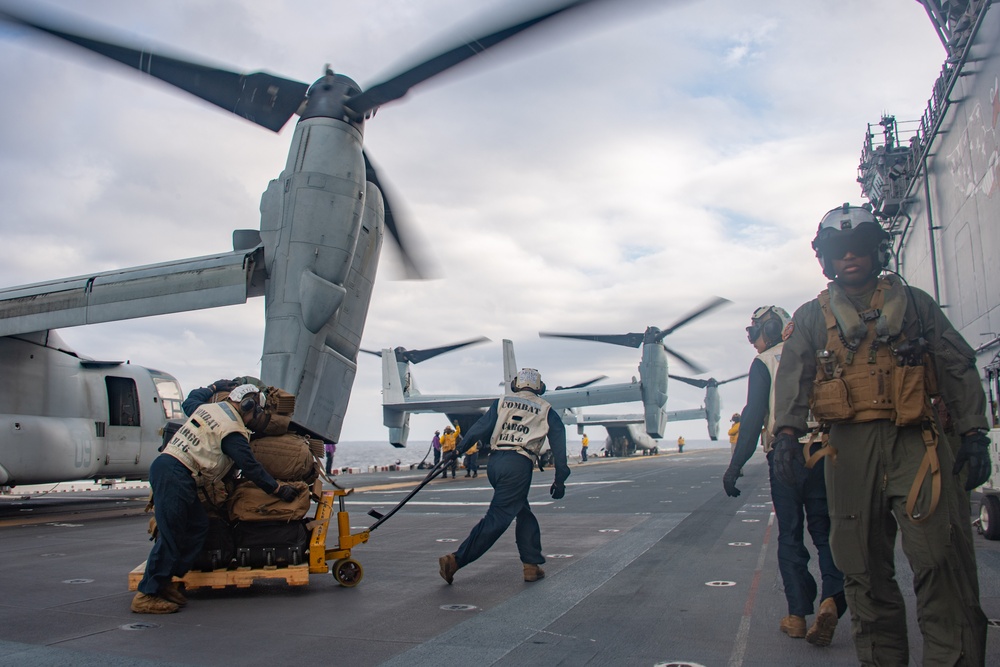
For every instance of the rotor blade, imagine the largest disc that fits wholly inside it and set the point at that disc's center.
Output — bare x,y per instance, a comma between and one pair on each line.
711,305
399,85
377,353
694,382
626,340
684,360
585,383
264,99
738,377
416,356
411,265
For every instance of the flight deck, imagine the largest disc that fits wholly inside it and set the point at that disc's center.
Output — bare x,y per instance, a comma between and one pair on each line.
648,563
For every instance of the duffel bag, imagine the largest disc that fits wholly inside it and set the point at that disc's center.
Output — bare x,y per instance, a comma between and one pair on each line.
271,543
251,503
285,456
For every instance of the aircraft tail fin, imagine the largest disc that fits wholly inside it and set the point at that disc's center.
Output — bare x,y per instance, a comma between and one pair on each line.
509,364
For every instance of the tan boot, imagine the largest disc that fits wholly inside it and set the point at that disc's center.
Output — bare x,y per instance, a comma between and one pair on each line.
449,566
152,604
794,626
533,572
172,592
821,632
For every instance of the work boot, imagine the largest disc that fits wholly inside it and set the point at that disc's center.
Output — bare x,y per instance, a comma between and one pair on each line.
821,632
152,604
533,572
172,593
794,626
449,566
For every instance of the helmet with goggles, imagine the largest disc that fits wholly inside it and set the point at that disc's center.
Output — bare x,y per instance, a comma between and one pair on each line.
769,321
528,379
851,229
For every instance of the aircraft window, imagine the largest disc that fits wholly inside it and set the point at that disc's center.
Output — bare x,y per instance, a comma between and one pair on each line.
123,401
170,395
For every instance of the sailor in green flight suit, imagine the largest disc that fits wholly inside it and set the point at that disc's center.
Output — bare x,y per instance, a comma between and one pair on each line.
866,356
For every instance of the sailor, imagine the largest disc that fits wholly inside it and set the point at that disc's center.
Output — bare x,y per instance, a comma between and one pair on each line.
205,447
867,355
734,431
517,426
804,499
448,439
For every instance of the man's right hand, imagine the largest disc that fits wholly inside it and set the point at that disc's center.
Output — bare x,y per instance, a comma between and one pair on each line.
788,460
729,481
286,493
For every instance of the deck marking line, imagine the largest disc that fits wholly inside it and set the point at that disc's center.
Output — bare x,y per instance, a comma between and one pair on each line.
743,635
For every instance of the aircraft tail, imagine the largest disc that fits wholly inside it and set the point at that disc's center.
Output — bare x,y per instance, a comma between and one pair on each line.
393,394
509,364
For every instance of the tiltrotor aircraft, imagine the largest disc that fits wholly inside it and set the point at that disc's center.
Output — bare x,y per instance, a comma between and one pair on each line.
400,395
313,260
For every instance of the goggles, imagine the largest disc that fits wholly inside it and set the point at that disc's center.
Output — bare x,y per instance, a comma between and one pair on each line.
753,332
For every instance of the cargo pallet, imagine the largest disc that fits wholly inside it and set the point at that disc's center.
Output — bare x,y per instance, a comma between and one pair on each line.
347,571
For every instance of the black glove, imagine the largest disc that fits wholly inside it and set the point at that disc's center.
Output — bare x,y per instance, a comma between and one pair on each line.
789,463
223,385
286,493
557,490
975,450
729,481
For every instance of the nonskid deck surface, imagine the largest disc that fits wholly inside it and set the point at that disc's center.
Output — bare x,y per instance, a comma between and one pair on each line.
649,562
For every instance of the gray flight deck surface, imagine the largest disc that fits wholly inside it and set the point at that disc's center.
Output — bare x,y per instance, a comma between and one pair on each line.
649,562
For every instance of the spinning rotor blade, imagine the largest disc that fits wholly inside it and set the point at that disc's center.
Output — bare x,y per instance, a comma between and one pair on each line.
697,368
625,340
711,305
264,99
411,264
399,85
585,383
738,377
416,356
694,382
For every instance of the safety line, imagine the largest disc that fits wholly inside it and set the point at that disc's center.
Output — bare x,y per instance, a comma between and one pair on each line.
743,635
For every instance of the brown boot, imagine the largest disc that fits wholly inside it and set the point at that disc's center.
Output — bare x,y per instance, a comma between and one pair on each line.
449,566
821,632
533,572
152,604
173,593
794,626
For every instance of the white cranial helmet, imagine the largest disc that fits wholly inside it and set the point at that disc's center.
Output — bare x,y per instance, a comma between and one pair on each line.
528,379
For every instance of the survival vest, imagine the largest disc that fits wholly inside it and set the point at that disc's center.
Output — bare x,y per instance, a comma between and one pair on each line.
770,358
871,371
198,443
522,424
862,379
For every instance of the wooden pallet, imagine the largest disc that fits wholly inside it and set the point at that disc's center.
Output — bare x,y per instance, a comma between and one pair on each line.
242,577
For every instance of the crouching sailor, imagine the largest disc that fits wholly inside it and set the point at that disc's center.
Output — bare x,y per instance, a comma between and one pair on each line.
205,447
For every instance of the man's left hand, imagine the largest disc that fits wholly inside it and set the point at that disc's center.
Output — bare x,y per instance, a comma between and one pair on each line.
729,481
557,490
975,451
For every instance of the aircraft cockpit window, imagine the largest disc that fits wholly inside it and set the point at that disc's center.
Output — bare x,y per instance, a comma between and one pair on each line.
123,402
169,392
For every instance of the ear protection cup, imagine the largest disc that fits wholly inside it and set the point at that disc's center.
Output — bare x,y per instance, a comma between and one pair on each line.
772,330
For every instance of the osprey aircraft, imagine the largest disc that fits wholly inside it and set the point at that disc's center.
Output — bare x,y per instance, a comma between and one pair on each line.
400,395
313,259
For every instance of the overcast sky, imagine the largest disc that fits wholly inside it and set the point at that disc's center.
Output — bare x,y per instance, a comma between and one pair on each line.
609,174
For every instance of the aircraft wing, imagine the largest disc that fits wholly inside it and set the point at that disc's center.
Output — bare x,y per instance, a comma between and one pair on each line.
155,289
562,399
620,420
686,415
445,404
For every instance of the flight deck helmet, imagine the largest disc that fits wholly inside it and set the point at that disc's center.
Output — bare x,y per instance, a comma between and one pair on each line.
528,379
855,229
250,401
770,321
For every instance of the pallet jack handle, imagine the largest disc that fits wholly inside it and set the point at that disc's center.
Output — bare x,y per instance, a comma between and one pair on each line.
382,518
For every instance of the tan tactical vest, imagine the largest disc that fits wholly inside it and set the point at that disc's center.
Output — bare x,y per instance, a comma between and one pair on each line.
522,424
198,443
770,358
865,383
